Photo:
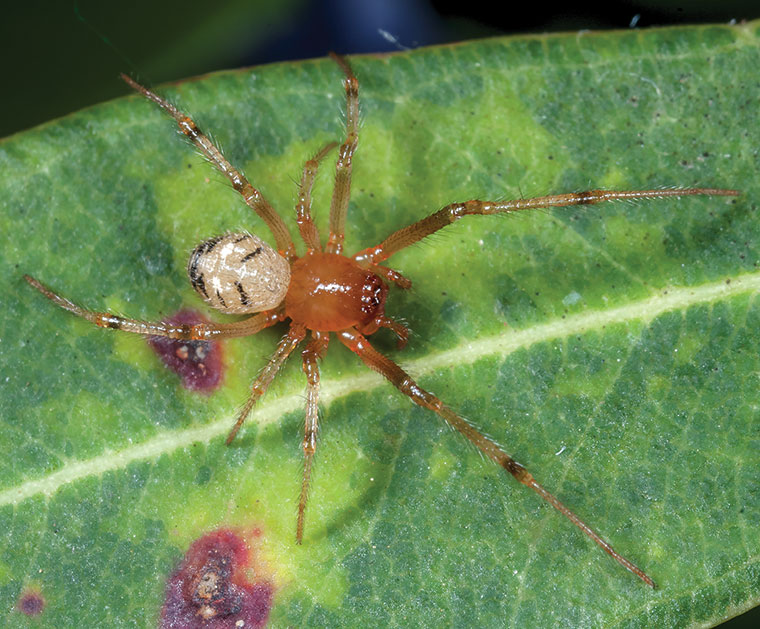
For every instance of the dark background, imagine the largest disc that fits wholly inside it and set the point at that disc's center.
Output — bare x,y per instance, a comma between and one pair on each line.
58,57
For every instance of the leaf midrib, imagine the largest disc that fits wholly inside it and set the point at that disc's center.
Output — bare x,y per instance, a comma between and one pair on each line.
645,310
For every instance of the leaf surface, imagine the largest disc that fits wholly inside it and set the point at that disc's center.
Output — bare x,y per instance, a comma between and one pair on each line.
613,350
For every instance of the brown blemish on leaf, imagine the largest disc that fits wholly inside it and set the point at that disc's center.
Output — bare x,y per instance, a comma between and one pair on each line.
212,587
31,603
198,363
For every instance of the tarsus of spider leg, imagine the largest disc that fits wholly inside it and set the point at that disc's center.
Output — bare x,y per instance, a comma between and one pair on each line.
376,361
493,451
343,166
415,232
306,226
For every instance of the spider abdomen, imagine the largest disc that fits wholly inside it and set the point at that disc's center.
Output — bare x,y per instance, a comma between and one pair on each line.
239,273
329,292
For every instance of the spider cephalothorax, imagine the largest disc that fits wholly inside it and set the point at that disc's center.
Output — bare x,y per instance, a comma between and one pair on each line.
330,292
325,292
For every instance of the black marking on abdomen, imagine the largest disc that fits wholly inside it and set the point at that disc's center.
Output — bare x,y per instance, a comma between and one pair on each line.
192,271
199,285
243,294
211,243
201,250
241,239
253,254
221,299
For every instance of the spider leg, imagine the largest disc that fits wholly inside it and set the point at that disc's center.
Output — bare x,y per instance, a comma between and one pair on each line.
285,347
404,383
342,189
251,195
315,350
421,229
309,232
197,332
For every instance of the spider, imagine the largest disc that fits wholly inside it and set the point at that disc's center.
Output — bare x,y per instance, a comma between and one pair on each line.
325,292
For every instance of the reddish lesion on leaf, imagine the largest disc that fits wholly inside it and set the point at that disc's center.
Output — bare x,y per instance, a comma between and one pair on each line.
198,363
31,602
212,589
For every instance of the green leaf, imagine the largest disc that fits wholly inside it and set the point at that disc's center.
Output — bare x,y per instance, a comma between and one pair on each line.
613,349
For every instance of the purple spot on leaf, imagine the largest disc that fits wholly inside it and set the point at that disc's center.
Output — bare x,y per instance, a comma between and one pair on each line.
210,589
197,363
31,603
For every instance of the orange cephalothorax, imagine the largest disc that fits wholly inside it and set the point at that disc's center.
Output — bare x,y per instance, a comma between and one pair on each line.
330,292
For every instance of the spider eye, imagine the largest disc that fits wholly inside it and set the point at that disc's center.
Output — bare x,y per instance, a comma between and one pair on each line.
239,274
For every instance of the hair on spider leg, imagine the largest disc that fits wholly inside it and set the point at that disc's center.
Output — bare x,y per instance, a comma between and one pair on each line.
293,180
217,175
514,216
361,119
449,429
433,242
212,136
